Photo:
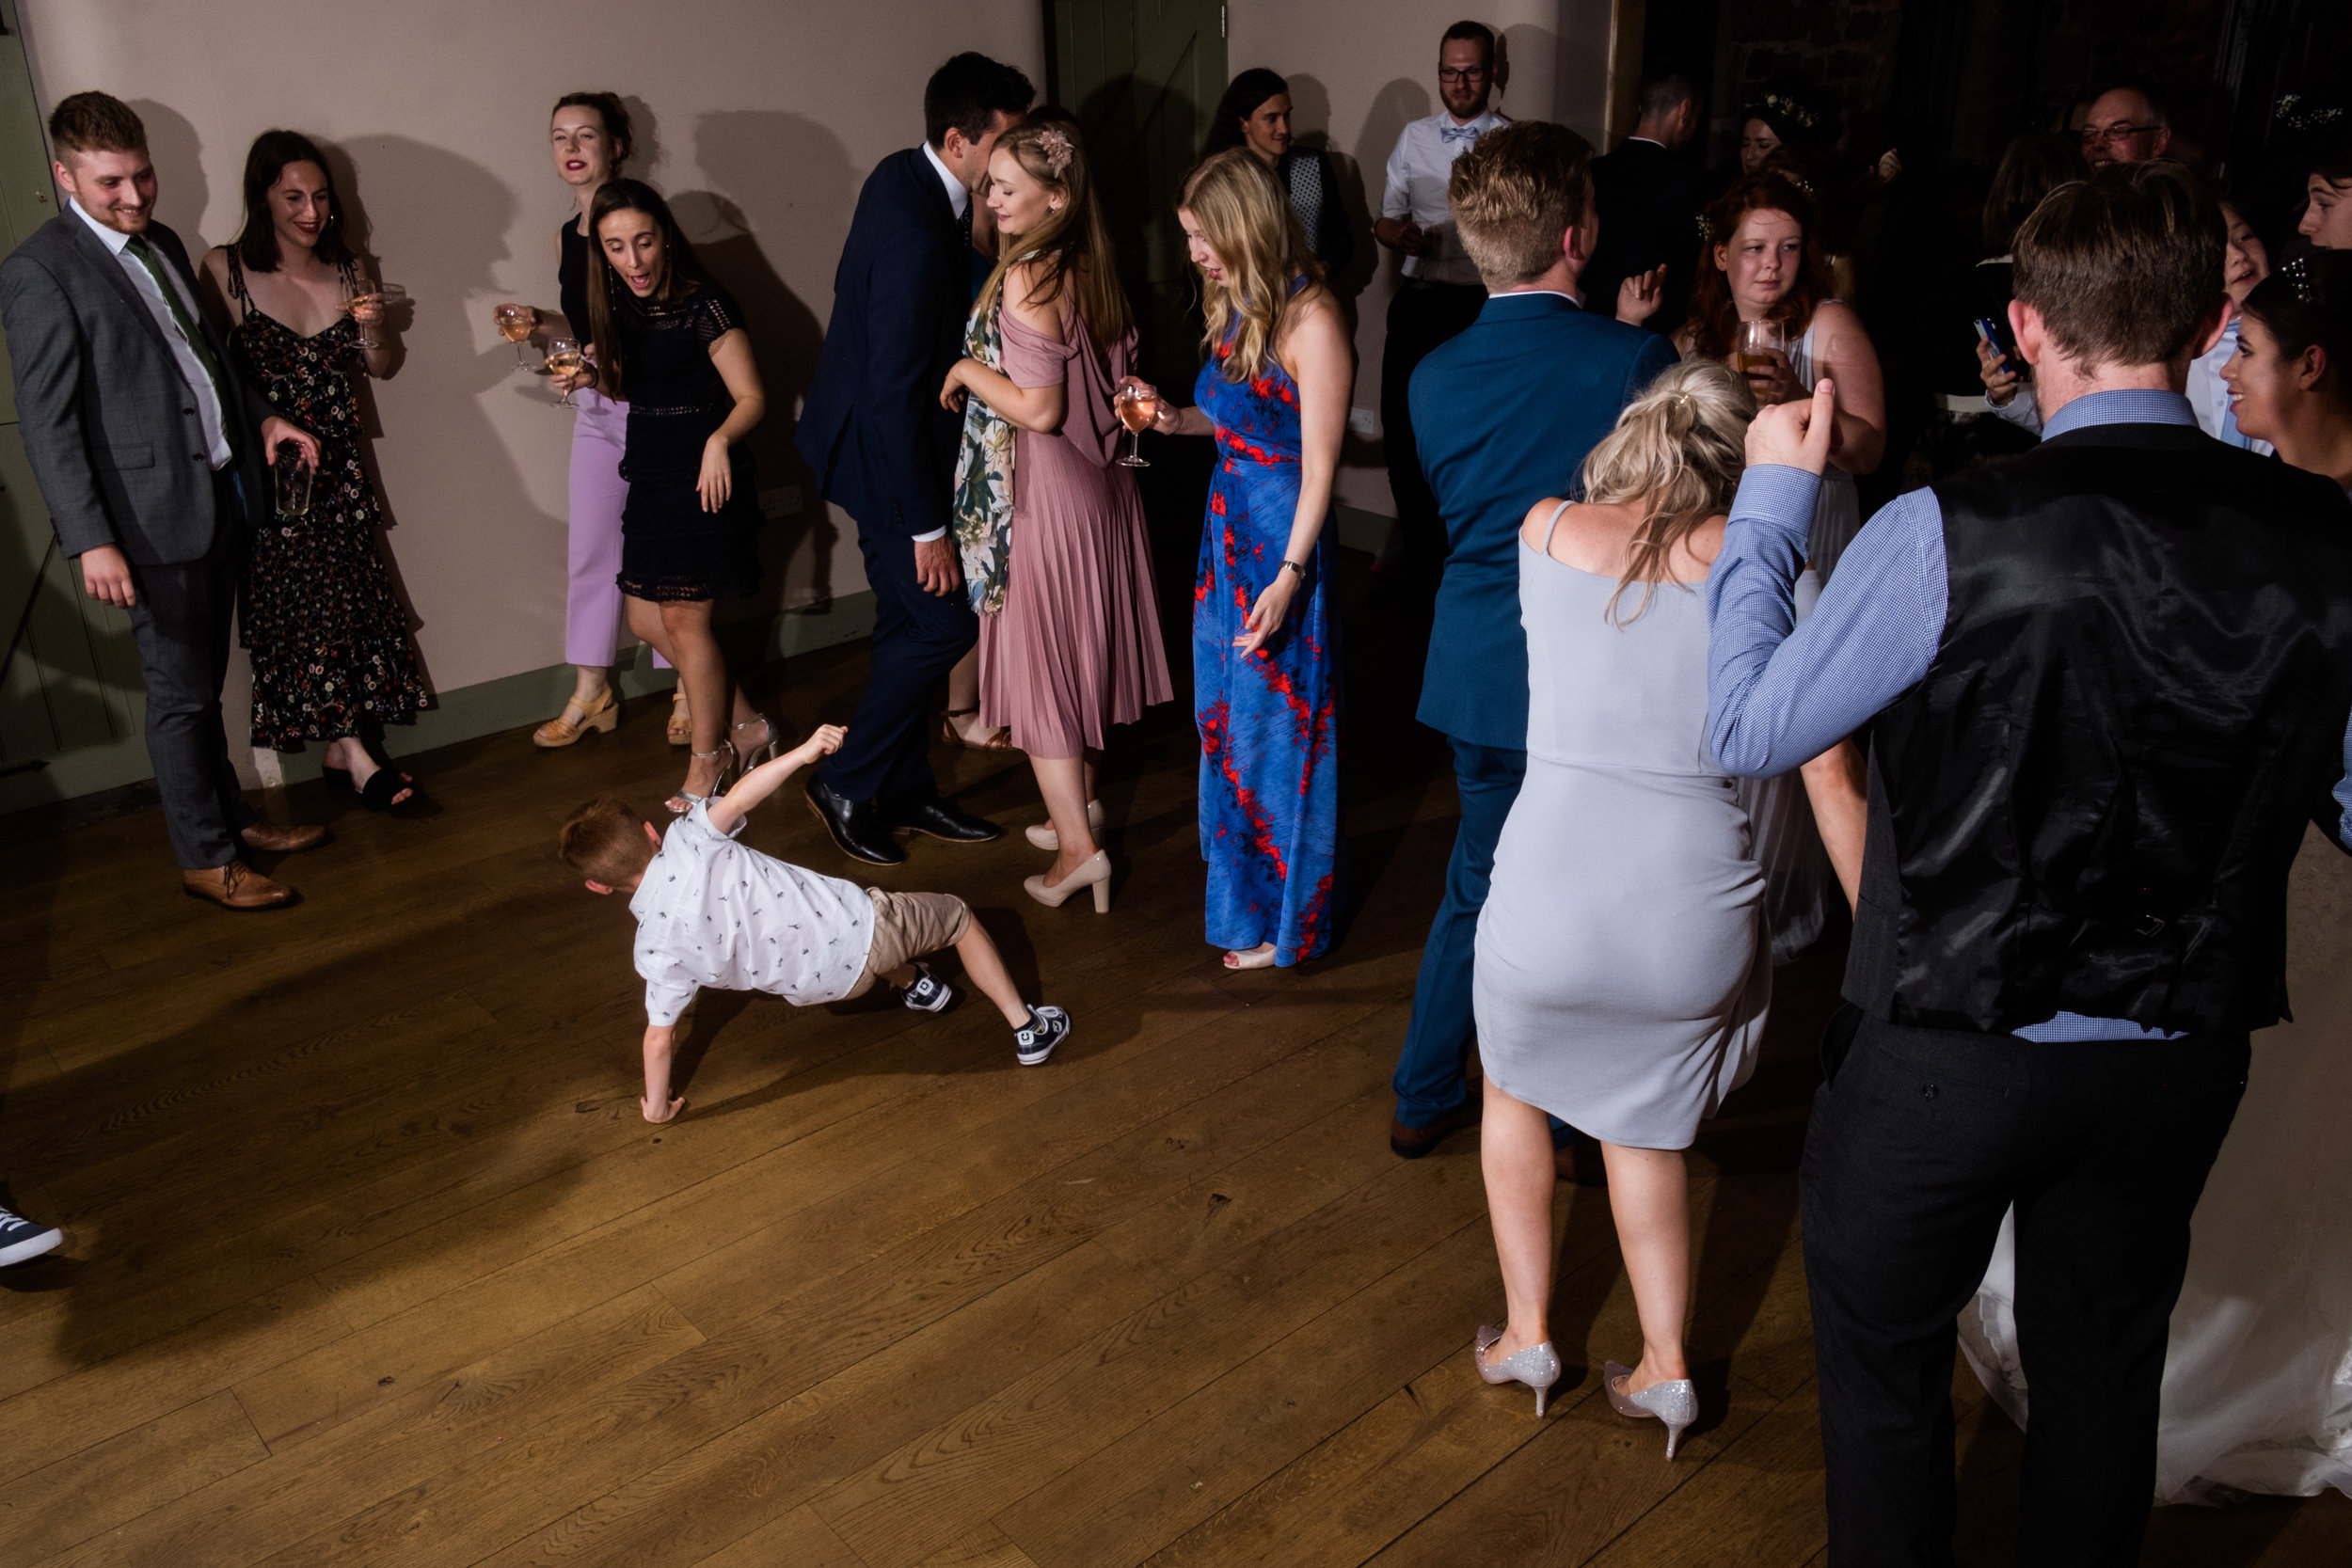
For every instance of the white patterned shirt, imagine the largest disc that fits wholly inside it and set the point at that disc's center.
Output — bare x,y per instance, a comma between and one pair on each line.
711,911
1419,169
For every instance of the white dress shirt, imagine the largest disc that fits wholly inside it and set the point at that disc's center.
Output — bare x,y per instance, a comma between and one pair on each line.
2209,395
961,200
1417,171
712,912
192,369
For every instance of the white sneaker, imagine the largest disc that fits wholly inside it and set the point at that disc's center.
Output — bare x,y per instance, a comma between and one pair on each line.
21,1238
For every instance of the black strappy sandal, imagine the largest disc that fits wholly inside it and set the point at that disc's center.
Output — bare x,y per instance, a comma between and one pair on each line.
381,786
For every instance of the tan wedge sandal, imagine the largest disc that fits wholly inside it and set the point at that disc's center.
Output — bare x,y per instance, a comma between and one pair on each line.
564,730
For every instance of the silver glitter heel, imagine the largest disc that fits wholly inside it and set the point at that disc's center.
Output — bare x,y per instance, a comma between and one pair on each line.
1677,1403
1539,1365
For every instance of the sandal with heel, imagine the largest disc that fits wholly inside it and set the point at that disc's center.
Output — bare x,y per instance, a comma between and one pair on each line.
564,730
1000,741
685,800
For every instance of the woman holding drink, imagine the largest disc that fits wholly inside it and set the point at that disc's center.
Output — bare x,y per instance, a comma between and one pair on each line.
1049,526
1265,646
331,656
1761,308
590,138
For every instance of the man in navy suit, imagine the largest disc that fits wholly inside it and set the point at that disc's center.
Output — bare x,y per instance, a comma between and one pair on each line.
885,450
1504,416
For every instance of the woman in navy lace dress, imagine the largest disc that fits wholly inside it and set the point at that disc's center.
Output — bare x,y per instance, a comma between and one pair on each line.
1265,646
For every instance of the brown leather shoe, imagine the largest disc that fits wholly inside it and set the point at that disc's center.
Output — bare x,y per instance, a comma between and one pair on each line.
1579,1161
271,839
237,886
1411,1143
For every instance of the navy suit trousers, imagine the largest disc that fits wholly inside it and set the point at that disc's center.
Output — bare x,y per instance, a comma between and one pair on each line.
1429,1077
917,639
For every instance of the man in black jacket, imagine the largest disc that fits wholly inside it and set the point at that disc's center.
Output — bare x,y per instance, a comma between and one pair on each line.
1648,193
2106,684
885,450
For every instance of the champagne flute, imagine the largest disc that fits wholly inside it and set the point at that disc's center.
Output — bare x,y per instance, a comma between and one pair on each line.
565,359
515,323
362,293
1138,406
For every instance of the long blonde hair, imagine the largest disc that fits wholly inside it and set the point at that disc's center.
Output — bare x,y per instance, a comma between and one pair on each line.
1072,246
1677,450
1245,218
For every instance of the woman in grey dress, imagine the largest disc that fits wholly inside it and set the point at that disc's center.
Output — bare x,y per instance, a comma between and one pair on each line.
1624,964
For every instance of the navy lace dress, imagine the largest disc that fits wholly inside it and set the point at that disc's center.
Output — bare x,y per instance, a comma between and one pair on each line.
671,548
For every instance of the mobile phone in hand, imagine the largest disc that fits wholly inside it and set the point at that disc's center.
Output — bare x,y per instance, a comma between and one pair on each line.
1994,335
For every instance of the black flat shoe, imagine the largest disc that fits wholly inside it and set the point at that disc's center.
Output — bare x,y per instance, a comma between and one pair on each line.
856,828
939,820
382,785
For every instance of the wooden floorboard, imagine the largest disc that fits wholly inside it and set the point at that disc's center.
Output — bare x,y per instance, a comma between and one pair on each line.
370,1262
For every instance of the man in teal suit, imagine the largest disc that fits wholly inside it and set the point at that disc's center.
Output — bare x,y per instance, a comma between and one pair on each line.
1504,416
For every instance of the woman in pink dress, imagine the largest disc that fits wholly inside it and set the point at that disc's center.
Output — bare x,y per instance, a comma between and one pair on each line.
1049,526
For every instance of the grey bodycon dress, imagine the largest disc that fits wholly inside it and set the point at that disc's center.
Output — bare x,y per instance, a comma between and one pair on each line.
1624,965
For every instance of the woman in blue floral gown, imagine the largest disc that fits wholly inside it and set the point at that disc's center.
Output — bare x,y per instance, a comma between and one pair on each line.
1266,654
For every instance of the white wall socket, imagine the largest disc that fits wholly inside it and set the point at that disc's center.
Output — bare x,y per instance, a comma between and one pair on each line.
1364,422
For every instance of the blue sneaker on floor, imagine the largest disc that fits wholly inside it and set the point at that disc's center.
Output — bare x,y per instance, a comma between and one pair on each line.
1035,1041
21,1238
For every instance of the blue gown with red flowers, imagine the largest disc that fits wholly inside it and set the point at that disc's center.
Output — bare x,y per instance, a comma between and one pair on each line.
1269,722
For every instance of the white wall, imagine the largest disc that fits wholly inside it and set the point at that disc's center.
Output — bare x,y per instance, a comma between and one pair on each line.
763,120
1358,71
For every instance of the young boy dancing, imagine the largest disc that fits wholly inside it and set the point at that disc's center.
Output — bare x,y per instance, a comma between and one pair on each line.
712,912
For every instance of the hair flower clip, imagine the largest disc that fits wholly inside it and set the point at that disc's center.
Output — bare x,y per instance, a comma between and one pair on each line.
1055,141
1788,109
2297,274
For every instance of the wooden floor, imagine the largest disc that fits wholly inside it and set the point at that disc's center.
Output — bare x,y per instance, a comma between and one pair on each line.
371,1261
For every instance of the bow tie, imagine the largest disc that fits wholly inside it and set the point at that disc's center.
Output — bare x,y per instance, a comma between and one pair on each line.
1457,132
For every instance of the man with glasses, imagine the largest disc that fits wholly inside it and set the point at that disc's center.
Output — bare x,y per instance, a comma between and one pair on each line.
2126,125
1440,294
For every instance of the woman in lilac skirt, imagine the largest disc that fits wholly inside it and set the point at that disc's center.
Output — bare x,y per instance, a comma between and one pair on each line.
1050,527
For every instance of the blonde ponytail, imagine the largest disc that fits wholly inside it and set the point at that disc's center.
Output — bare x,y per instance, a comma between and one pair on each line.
1677,450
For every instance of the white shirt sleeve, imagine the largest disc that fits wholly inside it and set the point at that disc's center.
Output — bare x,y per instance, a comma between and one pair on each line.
666,1000
1396,199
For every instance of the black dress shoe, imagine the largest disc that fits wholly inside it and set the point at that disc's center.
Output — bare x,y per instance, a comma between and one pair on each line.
938,818
855,827
1411,1143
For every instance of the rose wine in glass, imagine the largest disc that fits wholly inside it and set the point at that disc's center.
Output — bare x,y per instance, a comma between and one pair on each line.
1137,407
565,359
365,301
515,324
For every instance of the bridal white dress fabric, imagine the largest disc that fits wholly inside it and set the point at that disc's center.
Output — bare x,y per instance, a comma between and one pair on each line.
2258,1377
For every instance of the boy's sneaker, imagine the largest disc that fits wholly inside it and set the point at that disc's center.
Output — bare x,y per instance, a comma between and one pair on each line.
21,1238
929,993
1035,1041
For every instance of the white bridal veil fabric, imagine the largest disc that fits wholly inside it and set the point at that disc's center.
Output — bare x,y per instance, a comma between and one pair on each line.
2258,1378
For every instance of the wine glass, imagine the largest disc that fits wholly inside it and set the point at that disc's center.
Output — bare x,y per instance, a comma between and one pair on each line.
1138,406
366,300
515,323
564,358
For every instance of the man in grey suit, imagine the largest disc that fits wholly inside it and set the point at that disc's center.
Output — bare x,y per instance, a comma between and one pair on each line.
149,449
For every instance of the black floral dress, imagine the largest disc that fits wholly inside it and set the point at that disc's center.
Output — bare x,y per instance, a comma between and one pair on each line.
329,641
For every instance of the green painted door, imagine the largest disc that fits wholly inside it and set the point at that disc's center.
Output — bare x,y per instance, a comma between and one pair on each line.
1143,77
70,699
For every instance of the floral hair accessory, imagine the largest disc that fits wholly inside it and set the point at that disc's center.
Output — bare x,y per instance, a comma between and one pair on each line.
1707,230
2298,275
1788,109
1055,143
2296,114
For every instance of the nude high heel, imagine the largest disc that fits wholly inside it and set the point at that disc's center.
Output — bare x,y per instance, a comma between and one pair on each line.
1538,1366
1675,1402
1095,872
1044,837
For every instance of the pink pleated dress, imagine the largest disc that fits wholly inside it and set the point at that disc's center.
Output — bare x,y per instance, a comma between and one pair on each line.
1076,647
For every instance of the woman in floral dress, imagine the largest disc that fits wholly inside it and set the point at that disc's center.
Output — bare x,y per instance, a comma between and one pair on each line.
331,655
1265,643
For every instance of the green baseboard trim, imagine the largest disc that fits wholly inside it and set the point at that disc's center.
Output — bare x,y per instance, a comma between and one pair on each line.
1364,530
468,712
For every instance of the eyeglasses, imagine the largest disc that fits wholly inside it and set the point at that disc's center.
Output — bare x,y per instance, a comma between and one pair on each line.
2094,134
1468,74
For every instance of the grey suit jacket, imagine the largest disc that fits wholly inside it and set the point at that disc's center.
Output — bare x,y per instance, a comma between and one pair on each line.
108,419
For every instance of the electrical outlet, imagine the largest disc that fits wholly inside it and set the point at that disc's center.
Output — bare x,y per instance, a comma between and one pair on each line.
1364,422
782,502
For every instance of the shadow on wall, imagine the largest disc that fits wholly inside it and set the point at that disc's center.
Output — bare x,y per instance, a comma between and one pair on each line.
1311,124
788,178
182,193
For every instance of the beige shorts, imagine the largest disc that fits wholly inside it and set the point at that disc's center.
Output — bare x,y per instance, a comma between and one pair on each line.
908,925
